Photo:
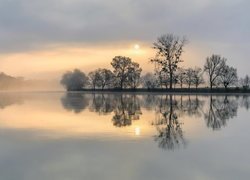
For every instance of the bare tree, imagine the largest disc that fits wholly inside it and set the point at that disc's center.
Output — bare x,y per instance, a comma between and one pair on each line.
169,50
75,80
214,66
198,77
181,76
228,76
245,82
189,77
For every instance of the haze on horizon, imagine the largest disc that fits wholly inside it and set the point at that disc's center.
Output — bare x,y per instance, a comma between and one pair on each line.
43,39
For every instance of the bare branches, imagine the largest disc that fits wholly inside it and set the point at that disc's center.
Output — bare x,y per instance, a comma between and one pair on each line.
169,50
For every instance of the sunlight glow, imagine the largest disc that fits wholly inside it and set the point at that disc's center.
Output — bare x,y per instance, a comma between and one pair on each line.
136,47
137,131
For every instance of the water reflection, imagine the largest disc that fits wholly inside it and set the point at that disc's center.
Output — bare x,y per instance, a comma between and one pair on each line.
170,111
7,99
170,133
76,102
221,109
127,109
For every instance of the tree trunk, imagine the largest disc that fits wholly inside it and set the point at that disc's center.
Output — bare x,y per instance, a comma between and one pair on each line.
171,81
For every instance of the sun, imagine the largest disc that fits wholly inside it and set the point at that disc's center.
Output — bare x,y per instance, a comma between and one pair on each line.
136,46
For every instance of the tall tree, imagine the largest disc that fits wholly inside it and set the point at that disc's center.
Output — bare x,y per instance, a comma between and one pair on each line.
169,50
214,66
121,65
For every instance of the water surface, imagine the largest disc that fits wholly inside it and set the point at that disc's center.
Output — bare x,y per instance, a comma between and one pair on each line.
71,136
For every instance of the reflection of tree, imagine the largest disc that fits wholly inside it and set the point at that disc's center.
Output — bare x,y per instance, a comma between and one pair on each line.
150,101
127,108
103,104
76,102
170,134
191,106
245,102
220,111
8,99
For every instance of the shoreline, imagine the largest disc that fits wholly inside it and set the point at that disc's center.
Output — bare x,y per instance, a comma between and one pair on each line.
167,91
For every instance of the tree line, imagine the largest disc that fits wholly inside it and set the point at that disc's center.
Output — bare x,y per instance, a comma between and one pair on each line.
168,74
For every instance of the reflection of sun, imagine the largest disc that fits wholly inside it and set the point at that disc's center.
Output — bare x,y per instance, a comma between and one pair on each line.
136,47
137,131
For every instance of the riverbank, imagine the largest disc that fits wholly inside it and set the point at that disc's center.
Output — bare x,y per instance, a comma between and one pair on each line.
176,90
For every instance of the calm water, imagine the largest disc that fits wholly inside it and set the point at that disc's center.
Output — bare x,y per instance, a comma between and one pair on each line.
75,136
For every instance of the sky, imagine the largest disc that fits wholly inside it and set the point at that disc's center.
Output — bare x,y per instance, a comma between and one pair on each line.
43,39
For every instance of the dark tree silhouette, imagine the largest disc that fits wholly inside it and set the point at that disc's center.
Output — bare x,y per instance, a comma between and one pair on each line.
169,50
127,72
228,76
214,66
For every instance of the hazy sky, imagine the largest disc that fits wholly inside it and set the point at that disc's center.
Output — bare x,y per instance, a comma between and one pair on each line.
45,38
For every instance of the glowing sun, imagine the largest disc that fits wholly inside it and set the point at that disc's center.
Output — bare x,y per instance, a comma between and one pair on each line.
136,47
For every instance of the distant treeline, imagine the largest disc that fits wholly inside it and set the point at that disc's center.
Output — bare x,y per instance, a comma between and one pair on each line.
8,82
167,75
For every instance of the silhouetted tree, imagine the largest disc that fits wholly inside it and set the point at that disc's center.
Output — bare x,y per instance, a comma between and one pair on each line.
127,73
106,78
228,76
169,50
214,66
134,74
95,79
75,80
